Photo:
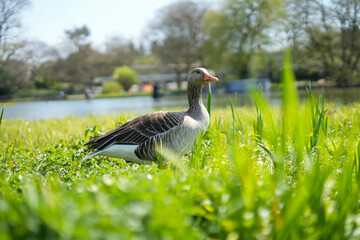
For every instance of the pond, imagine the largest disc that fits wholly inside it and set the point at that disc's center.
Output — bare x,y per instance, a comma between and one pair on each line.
60,109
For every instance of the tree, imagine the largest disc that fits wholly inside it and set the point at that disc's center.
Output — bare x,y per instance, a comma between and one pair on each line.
237,31
76,66
121,52
331,45
125,76
78,36
9,11
347,14
296,25
12,76
179,29
12,71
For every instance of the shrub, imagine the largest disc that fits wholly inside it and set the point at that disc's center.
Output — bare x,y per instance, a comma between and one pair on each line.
111,87
125,76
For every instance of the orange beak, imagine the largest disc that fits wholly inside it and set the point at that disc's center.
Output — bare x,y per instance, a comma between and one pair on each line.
209,78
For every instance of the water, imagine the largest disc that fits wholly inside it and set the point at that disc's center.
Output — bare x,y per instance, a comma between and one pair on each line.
60,109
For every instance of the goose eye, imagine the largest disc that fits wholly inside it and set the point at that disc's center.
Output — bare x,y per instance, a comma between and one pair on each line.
197,72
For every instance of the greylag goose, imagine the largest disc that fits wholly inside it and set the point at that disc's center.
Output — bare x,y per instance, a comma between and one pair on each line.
136,140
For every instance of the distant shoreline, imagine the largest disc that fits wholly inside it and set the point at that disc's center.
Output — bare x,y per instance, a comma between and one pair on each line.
275,87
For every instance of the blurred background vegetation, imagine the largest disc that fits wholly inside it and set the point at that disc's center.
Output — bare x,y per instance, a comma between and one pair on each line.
238,39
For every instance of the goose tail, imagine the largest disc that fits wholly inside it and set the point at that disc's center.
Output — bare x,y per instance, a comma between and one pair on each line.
91,155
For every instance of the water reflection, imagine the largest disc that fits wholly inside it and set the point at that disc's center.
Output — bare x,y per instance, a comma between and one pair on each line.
59,109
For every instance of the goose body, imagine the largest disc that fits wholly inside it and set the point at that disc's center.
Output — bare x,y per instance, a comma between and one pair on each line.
177,131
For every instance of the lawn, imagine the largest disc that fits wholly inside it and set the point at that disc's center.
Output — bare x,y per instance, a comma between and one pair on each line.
263,172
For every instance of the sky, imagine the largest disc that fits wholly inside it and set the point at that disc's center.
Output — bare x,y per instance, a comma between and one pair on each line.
47,20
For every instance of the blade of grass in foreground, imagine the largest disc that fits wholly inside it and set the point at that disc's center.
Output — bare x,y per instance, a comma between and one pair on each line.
196,160
158,148
356,164
1,116
209,101
259,123
269,153
318,111
233,112
264,125
293,119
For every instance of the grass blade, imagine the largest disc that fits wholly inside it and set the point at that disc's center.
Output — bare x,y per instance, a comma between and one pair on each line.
209,101
259,123
356,164
1,116
233,112
294,118
158,149
196,161
272,157
318,119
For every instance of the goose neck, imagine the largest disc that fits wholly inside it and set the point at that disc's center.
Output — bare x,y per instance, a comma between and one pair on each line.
195,96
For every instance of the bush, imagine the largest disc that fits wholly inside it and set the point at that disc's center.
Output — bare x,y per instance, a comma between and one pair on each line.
111,87
37,93
125,76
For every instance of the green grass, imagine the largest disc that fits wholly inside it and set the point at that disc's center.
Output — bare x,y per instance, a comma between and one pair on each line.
5,104
124,94
227,188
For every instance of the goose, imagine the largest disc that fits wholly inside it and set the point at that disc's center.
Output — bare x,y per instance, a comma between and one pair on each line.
136,140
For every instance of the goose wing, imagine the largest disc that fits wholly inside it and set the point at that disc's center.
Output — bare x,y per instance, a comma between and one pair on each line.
139,130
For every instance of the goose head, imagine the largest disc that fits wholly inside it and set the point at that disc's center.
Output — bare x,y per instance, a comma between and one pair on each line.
199,76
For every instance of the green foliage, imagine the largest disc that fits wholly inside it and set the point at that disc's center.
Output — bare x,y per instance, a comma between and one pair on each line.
28,93
111,87
124,94
148,60
125,76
